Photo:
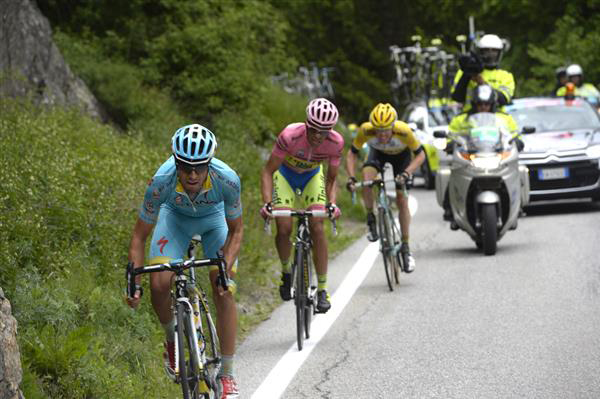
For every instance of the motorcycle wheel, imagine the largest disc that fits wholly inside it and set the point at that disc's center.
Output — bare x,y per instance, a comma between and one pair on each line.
489,230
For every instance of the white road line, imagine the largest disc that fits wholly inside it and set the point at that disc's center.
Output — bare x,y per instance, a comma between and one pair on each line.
283,372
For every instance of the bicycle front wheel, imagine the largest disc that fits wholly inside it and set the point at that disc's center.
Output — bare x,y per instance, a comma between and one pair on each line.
300,297
310,299
188,352
385,239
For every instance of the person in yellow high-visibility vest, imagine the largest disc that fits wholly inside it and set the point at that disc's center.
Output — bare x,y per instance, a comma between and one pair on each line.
586,90
482,68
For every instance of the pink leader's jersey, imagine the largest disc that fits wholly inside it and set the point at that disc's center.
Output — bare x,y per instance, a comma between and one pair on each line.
292,145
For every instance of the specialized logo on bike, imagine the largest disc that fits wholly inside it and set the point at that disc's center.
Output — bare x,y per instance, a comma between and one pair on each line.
162,242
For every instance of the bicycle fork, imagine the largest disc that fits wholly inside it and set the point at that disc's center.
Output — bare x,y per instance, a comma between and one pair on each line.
193,308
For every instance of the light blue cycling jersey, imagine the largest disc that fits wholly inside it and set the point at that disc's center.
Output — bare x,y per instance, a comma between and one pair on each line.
219,195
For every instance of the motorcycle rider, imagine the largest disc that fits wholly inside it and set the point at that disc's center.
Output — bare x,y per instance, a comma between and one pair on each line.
483,100
588,91
482,68
561,78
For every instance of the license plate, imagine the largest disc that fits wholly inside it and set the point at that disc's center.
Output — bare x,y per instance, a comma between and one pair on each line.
554,173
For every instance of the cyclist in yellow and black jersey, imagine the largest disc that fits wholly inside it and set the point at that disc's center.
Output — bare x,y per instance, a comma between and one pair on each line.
390,141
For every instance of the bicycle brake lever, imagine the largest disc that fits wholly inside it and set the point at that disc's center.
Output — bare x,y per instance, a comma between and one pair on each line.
131,286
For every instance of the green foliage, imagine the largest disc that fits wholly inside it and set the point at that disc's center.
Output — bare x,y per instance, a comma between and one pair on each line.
132,104
574,40
62,254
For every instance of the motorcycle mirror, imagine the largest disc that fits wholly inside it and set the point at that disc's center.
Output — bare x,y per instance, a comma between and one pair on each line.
440,134
528,129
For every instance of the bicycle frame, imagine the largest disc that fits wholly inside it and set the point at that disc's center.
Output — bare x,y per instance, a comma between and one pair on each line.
389,234
304,290
189,302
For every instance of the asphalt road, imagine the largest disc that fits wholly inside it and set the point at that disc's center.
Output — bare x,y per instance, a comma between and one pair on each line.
524,323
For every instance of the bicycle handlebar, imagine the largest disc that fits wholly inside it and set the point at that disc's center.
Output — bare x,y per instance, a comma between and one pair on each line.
177,267
371,183
280,213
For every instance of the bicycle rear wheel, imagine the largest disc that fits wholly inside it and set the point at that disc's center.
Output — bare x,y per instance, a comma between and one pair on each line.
384,237
188,352
300,295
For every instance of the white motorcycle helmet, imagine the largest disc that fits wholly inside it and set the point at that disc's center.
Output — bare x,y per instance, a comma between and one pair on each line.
574,70
489,48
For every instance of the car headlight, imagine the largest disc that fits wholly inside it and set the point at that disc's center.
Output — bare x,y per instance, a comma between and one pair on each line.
593,151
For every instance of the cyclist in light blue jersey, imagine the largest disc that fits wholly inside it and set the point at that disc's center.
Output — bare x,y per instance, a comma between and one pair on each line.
192,193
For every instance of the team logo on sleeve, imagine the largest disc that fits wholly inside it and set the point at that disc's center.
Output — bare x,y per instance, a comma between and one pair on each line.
149,206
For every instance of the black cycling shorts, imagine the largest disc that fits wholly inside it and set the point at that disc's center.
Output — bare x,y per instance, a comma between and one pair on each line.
399,162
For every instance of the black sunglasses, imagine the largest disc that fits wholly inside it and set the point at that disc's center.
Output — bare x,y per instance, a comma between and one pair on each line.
322,133
187,168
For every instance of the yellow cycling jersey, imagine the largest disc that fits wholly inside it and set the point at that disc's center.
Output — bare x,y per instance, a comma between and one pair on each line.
402,138
499,79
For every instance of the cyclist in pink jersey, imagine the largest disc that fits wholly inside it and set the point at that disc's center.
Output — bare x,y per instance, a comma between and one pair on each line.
295,165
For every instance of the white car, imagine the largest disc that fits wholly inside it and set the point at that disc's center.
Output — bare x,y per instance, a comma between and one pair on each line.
564,151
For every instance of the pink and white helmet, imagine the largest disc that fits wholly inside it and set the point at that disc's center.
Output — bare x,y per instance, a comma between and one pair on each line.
321,114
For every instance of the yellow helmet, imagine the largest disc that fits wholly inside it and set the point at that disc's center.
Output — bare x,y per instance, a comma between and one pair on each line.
383,116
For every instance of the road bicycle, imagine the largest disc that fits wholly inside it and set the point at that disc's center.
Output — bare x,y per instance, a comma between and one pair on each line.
197,356
394,260
422,73
304,287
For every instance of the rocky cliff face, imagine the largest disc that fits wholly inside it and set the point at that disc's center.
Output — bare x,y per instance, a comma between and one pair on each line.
30,63
10,360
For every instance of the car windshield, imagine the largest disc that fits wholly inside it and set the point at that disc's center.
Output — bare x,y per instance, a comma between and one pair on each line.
552,117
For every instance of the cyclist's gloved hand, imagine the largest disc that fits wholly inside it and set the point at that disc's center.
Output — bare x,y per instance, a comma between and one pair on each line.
266,210
132,300
333,210
402,178
350,183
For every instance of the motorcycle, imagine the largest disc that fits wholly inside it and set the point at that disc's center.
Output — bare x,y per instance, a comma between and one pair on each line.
484,185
